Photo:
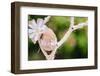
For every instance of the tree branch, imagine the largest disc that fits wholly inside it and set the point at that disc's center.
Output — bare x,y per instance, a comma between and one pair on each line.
48,57
71,21
81,25
66,36
43,51
46,19
70,30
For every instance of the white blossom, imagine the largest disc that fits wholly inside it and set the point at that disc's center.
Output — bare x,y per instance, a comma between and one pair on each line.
36,28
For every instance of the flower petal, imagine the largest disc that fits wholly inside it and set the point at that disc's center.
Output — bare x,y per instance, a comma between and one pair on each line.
32,35
30,25
34,39
40,22
30,31
33,23
44,27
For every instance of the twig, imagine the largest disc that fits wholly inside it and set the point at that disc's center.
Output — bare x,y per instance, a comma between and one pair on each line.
66,36
43,51
70,30
46,19
48,57
71,21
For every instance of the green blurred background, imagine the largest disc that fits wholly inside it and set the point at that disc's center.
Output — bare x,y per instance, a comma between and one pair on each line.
74,48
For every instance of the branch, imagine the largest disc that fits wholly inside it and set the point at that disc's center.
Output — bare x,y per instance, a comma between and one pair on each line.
48,57
46,19
71,21
66,36
81,25
45,54
70,30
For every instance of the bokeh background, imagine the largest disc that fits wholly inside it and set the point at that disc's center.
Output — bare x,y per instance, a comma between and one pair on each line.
74,48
